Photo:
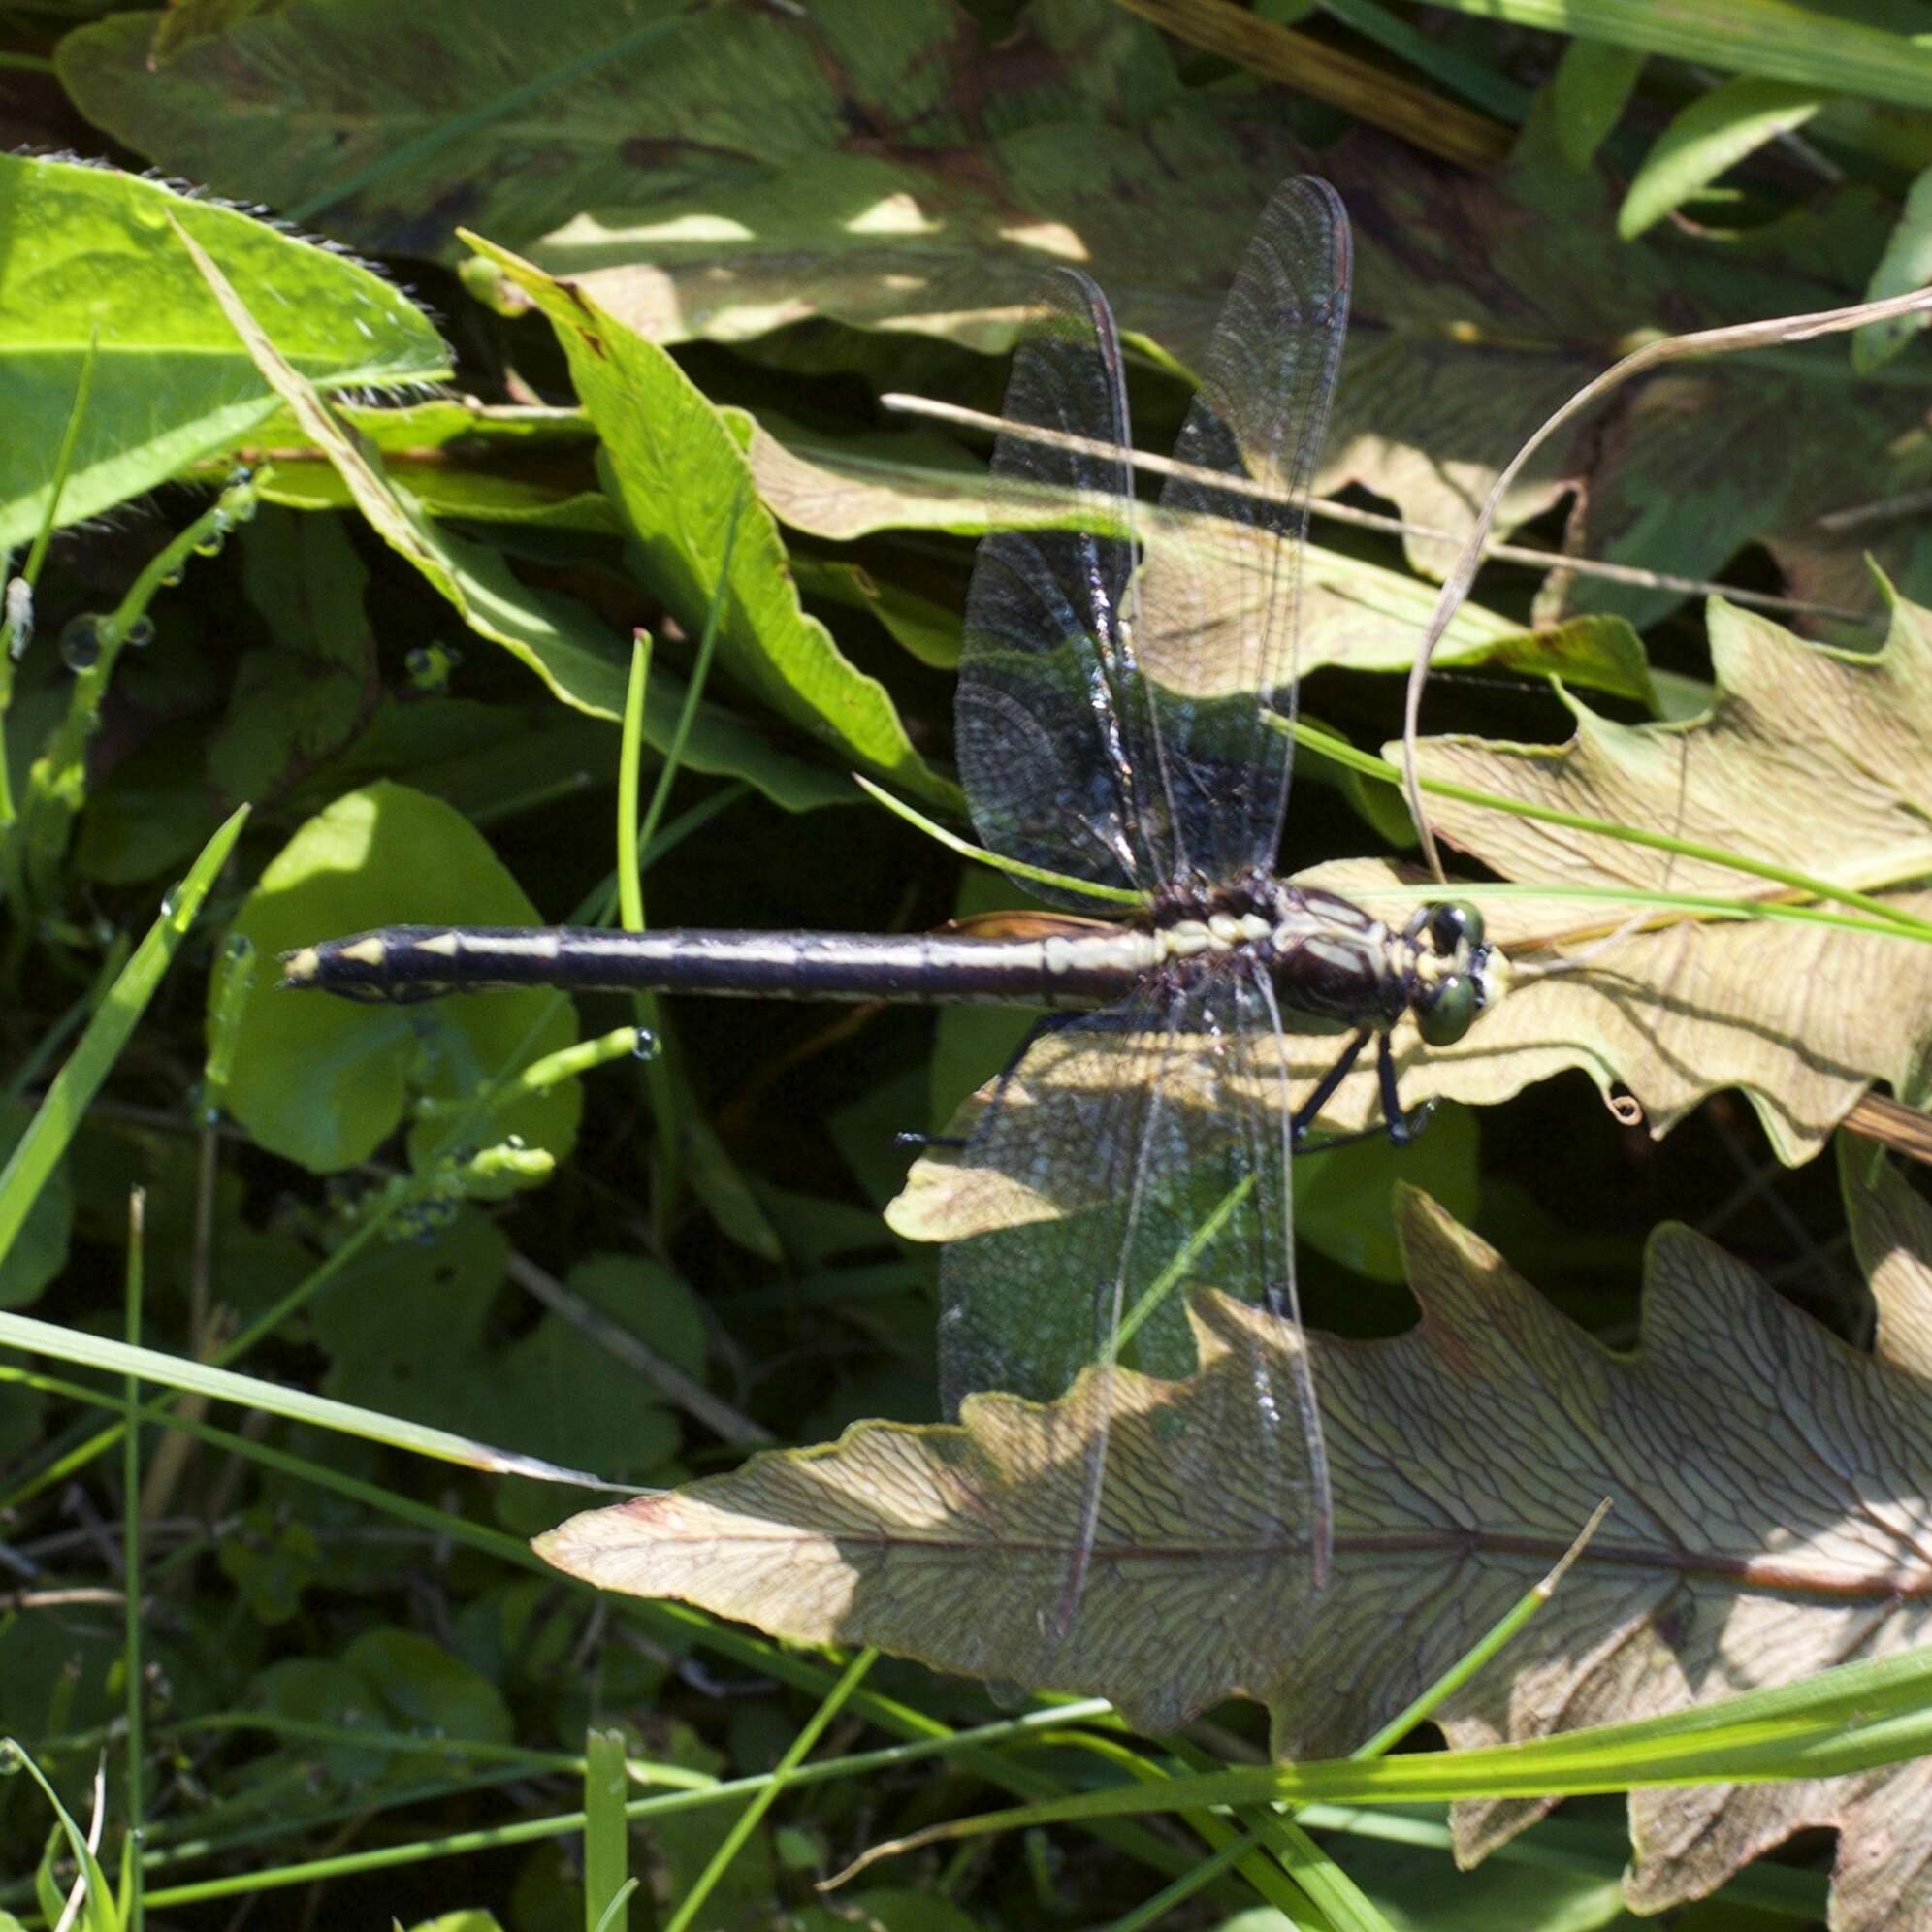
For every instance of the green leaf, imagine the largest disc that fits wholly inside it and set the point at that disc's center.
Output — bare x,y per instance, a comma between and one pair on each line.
303,696
678,471
1589,91
576,656
1713,133
1464,1455
89,257
1339,1195
415,1330
422,1687
326,1083
1906,263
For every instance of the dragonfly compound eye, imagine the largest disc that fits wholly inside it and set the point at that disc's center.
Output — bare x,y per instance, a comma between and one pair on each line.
1453,924
1447,1009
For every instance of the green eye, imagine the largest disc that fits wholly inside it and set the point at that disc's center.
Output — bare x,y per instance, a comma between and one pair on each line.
1452,923
1448,1011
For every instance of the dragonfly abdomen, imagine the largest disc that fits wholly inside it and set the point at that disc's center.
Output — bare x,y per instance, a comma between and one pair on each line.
404,963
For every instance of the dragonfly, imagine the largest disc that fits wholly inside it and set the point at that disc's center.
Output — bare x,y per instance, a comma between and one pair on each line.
1124,672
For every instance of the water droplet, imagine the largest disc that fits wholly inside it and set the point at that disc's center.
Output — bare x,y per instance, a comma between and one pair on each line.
80,643
241,476
516,1141
171,901
239,945
428,668
172,578
140,632
644,1046
20,615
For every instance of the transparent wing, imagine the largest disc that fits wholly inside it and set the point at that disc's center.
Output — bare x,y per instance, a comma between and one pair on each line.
1134,1161
1222,589
1051,721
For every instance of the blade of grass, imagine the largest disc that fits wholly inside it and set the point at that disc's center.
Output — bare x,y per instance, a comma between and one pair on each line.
73,1087
1113,895
1325,73
747,1820
32,1336
633,836
607,1879
133,1669
1856,1716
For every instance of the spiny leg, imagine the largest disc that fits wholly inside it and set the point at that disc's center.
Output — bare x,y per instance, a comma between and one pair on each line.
1401,1128
1304,1115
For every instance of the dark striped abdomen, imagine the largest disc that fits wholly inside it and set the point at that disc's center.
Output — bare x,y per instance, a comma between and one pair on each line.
422,962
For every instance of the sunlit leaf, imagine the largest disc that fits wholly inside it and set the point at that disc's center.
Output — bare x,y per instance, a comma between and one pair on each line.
89,258
1766,1484
679,474
573,651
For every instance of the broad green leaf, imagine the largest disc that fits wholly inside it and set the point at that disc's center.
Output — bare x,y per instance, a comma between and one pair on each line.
1465,1455
90,258
326,1083
1713,133
1906,263
304,696
679,471
420,1687
575,654
421,1335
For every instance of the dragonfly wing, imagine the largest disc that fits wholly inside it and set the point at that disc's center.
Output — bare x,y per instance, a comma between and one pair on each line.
1052,719
1133,1162
1221,590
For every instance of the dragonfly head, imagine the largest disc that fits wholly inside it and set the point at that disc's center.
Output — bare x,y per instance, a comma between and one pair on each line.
1457,973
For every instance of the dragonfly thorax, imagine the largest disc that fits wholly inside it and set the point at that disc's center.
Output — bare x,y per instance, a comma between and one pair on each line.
1332,963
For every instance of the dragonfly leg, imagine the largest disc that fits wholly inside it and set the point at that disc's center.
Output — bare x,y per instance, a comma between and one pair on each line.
1304,1115
1046,1024
1402,1127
